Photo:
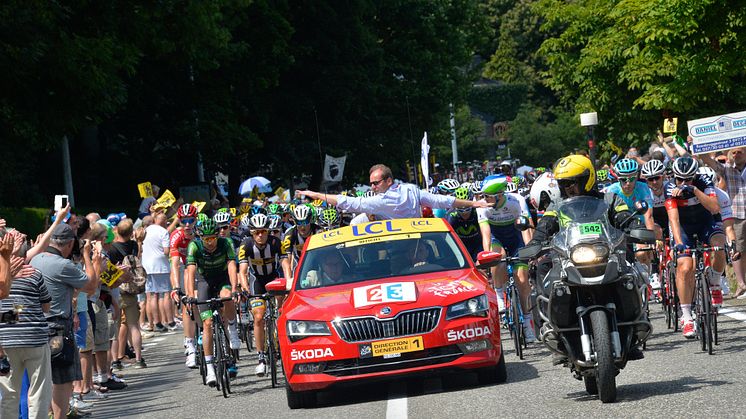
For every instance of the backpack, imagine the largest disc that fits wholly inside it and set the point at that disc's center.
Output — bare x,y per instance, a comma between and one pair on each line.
139,276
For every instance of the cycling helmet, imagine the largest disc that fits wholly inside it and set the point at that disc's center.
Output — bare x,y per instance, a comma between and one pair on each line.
602,175
303,213
245,220
329,218
369,193
256,209
685,167
447,186
476,187
258,221
273,209
544,191
626,167
462,193
576,168
222,218
522,192
223,209
207,228
285,209
202,217
506,163
517,179
359,193
511,187
494,184
707,173
466,185
653,168
245,206
274,221
186,211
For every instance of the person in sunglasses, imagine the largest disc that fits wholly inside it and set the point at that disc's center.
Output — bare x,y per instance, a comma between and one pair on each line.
296,236
691,202
392,200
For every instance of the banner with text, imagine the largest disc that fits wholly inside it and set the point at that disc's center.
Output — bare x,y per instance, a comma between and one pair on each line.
718,133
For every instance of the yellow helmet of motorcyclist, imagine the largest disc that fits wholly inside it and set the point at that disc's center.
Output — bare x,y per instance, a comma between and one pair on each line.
576,169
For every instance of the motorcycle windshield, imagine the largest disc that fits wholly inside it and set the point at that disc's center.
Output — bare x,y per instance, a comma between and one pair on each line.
584,219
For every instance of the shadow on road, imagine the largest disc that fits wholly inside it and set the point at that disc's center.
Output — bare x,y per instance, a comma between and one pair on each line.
640,391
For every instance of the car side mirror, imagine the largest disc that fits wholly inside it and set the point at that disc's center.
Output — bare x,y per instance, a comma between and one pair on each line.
277,287
487,259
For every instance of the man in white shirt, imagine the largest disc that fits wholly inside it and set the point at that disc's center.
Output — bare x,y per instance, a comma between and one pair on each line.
155,250
402,200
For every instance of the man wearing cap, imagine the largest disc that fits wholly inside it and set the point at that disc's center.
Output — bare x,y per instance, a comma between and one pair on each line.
62,277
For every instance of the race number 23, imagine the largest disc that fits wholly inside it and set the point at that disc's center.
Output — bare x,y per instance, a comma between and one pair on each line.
384,293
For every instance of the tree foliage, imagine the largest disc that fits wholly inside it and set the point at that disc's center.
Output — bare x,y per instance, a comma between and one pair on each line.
539,138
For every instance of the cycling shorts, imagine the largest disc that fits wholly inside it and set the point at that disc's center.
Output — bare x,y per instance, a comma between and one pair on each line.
210,289
258,282
512,243
704,232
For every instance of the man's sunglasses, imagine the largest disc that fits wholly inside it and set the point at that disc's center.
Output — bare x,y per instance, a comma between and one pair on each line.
209,238
684,179
225,227
257,232
187,220
493,195
653,178
303,223
376,182
632,179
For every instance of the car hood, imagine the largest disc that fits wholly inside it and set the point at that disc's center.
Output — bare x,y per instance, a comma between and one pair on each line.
370,297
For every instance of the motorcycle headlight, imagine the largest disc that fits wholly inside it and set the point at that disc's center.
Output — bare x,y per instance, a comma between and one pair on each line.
299,329
589,254
474,306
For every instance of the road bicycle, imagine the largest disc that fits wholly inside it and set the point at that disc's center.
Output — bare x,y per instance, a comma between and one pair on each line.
222,353
271,342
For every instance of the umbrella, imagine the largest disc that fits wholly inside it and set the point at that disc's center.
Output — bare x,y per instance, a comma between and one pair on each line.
523,170
258,182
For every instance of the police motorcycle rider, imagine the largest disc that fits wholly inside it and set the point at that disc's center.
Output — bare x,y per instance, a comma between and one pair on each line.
575,176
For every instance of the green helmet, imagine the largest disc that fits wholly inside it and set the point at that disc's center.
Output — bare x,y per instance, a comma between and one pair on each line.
274,209
495,185
462,193
223,210
208,228
201,217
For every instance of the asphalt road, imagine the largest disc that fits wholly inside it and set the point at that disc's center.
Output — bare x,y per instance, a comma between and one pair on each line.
675,379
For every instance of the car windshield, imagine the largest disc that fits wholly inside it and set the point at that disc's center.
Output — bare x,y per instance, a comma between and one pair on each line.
394,255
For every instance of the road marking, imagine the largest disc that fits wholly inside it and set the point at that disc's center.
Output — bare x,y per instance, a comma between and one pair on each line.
396,407
733,314
153,342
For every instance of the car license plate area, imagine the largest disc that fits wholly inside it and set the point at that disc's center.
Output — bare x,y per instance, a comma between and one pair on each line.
391,348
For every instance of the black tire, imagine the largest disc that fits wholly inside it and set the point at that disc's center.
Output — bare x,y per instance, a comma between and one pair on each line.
701,328
228,358
675,303
605,368
536,316
300,399
590,385
494,375
271,352
248,335
201,356
220,359
517,327
707,312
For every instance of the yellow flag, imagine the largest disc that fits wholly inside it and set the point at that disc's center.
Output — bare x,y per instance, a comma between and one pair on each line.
232,211
145,189
166,200
669,125
199,205
111,274
279,191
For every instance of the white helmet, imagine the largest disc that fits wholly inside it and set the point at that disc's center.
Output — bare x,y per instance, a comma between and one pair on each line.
511,187
544,191
708,173
303,213
447,186
258,222
653,167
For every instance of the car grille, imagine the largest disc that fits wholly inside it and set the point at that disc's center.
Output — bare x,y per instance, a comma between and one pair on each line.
357,366
406,323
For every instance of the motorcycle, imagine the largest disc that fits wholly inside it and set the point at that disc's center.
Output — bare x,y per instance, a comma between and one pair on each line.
590,301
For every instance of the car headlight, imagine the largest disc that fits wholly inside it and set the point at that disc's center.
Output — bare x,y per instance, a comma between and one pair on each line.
586,254
474,306
299,329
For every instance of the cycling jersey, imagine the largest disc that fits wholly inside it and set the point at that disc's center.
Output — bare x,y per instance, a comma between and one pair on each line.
293,242
468,231
179,243
694,218
660,214
212,266
262,262
641,193
726,210
501,220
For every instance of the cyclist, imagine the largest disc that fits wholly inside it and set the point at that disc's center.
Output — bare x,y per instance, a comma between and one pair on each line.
259,254
691,202
497,226
632,193
223,222
329,219
179,243
653,172
211,270
445,187
465,224
296,236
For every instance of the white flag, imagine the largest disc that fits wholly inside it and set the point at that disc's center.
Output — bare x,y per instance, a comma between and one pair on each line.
334,168
425,150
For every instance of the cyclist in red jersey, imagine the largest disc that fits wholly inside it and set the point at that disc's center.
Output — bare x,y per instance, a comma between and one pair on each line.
180,239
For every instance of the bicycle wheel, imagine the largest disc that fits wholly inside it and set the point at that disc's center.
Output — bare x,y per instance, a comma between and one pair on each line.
219,355
201,356
516,325
674,304
707,312
228,359
271,354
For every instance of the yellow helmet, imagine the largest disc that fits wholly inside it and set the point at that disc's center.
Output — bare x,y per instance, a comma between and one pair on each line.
578,168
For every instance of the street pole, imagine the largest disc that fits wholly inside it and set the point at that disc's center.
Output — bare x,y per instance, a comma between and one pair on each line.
67,174
454,147
411,142
590,120
200,164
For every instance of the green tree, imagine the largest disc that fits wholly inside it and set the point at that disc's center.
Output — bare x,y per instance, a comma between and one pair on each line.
539,139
